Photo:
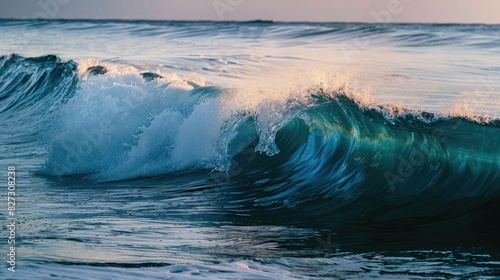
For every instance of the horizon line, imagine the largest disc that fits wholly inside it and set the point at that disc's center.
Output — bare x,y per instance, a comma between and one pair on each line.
243,21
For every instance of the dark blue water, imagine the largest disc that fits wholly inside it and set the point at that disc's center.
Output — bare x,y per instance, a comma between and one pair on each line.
256,150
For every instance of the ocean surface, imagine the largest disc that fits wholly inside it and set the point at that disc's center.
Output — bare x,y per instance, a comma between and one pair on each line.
250,150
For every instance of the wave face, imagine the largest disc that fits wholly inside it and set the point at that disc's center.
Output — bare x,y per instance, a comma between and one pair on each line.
341,163
34,87
31,91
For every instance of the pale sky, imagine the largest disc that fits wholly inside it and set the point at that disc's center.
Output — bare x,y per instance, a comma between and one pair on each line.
440,11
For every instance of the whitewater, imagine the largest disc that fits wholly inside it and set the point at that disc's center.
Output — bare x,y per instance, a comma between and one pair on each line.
252,150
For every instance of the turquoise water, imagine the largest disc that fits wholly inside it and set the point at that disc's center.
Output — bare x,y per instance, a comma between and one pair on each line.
251,150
